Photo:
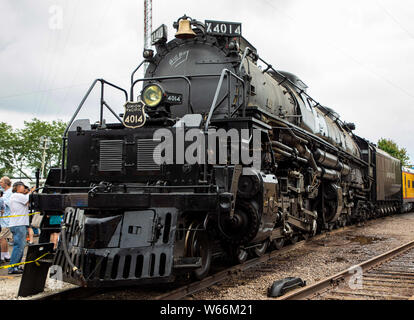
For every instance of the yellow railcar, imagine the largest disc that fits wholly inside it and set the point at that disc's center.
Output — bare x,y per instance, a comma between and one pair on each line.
408,185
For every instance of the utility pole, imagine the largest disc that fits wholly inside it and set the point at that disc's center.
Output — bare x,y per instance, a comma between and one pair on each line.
44,145
147,25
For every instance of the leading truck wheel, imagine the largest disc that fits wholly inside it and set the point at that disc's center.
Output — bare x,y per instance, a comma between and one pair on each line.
240,255
261,250
294,240
278,243
198,246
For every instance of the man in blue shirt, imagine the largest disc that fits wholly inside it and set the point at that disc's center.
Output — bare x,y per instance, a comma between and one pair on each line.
5,233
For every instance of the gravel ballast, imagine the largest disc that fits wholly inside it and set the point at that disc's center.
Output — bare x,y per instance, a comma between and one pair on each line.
313,261
317,259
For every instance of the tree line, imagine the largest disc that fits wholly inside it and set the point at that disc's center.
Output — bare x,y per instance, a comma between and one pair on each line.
394,150
21,151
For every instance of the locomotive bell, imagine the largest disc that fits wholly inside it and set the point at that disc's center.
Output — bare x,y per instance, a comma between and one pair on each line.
184,30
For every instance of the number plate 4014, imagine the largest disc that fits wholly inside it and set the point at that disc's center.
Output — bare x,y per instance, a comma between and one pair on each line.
134,116
221,28
174,98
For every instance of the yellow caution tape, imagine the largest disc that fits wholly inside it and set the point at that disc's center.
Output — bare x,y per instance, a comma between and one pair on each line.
27,262
24,215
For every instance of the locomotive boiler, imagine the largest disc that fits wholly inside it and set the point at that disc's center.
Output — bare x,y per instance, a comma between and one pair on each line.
132,217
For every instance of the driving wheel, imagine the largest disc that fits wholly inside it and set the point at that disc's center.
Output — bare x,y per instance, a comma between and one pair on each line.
198,246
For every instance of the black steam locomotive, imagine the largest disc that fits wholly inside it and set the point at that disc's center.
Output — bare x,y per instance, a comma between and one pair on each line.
131,217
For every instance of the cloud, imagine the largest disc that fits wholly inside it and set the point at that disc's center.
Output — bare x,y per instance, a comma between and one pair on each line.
356,56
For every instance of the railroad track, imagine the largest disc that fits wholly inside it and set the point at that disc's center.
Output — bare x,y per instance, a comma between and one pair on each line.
194,287
77,293
198,286
389,276
184,291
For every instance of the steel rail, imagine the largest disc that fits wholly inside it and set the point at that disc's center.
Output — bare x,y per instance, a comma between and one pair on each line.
182,292
192,288
195,287
333,281
78,293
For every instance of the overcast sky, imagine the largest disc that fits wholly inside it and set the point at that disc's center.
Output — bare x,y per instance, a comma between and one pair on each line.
357,57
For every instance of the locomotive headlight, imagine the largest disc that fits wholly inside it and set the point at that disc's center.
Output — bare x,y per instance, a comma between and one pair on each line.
153,95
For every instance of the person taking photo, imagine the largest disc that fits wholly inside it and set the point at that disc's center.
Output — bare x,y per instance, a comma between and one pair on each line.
18,223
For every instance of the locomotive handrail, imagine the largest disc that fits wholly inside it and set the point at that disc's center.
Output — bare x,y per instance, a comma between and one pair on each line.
135,71
103,82
229,74
190,107
224,73
247,51
103,103
323,142
127,187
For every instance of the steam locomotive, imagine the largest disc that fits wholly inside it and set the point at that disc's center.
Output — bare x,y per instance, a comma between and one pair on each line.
131,217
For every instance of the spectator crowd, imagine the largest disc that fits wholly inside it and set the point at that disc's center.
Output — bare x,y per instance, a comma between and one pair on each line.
15,222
